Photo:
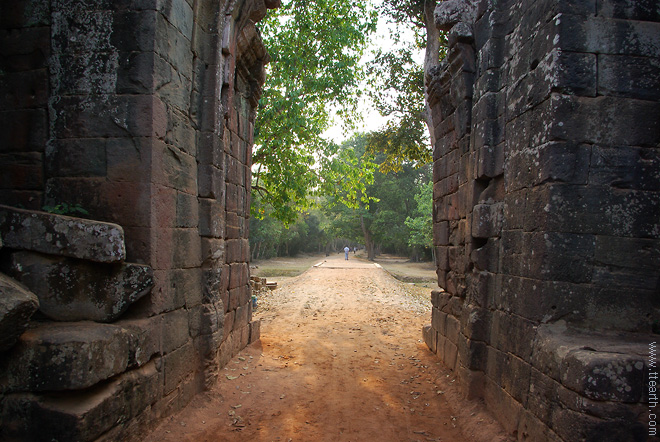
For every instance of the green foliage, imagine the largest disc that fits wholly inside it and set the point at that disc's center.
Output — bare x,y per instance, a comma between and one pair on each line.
380,224
66,209
315,47
421,226
397,86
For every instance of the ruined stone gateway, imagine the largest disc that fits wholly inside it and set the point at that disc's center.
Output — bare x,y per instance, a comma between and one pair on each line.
140,113
546,131
546,135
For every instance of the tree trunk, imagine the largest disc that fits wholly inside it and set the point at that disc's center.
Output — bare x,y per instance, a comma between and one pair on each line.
369,244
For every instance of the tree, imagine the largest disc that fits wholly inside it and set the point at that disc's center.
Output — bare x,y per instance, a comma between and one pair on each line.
398,83
394,191
315,47
349,208
421,226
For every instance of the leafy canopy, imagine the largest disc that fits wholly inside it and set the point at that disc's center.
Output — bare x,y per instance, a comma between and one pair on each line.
315,48
397,87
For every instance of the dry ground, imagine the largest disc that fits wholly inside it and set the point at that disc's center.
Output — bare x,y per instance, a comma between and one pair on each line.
340,359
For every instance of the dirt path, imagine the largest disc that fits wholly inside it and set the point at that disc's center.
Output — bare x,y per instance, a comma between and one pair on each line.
340,359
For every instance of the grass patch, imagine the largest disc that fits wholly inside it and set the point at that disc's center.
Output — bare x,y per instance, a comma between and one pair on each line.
274,272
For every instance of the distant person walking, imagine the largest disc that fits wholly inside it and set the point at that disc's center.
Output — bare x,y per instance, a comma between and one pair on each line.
346,250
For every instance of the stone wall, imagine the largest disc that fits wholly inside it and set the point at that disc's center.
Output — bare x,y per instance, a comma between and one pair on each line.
546,134
140,112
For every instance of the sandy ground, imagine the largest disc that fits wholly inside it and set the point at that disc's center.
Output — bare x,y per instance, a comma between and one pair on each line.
340,359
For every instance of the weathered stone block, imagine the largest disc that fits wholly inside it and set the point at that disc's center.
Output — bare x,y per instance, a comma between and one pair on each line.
531,428
506,409
214,281
186,252
486,257
135,72
71,290
142,24
206,347
56,357
255,331
76,158
127,158
475,323
472,354
447,14
627,76
207,319
173,46
211,183
511,333
175,330
61,235
543,396
453,327
145,338
645,10
213,251
24,130
570,425
450,355
239,275
625,167
186,210
228,324
130,115
548,163
211,148
24,90
180,15
430,337
487,220
211,218
548,256
604,376
582,119
83,415
599,210
174,168
603,35
17,305
26,13
439,298
438,320
601,409
241,317
178,365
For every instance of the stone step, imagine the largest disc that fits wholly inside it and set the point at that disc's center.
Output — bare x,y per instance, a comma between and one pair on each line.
65,356
82,415
600,366
61,235
75,290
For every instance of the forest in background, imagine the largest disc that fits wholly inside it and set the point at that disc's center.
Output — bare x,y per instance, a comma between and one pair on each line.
373,191
392,215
